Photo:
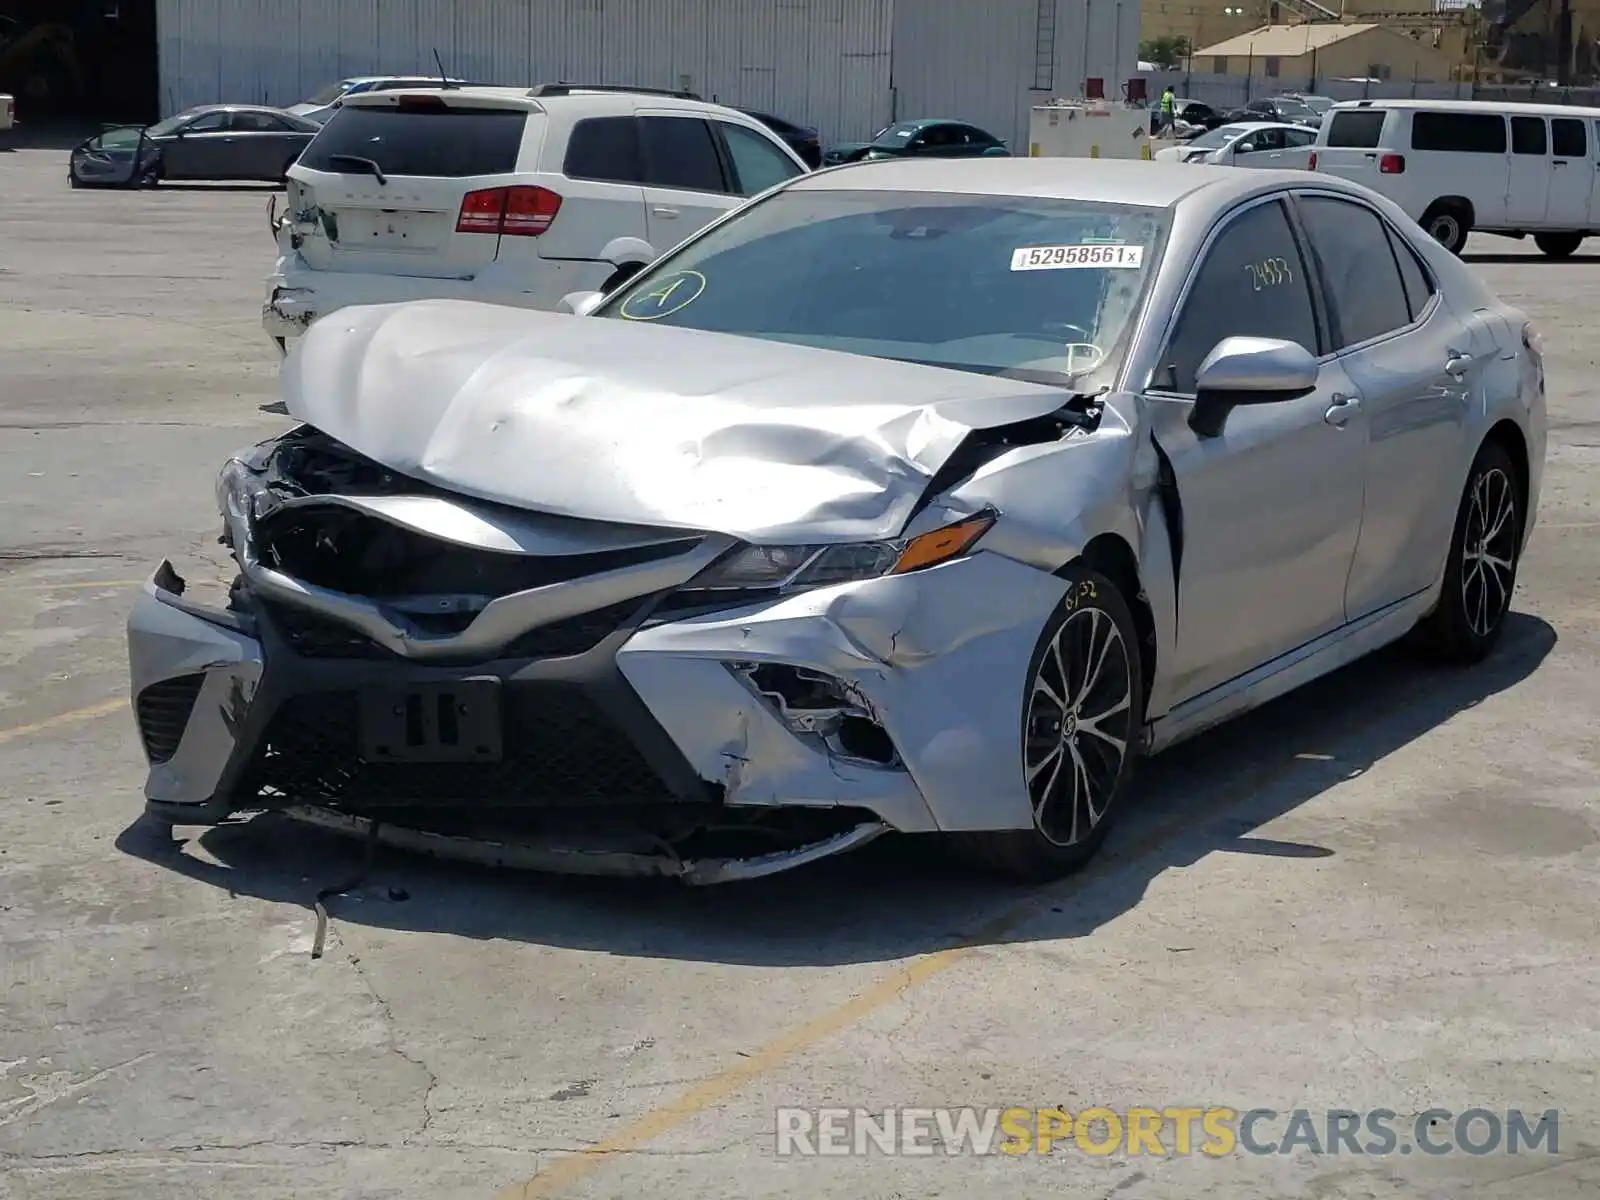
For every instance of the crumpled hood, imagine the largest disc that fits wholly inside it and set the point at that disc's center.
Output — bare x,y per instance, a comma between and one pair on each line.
640,424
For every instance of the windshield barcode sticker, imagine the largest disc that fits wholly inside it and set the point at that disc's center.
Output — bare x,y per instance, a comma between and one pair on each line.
1061,258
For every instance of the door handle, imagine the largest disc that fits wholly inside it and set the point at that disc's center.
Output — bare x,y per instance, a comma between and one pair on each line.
1457,364
1343,408
661,210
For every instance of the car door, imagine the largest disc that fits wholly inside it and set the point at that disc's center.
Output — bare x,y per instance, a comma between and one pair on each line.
757,163
196,150
1271,508
1528,196
1411,358
685,186
1255,148
1572,174
260,146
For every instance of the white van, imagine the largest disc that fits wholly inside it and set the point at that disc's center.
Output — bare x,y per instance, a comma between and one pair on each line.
1461,165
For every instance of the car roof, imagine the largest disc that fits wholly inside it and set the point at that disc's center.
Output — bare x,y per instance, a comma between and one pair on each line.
1469,106
1135,182
521,97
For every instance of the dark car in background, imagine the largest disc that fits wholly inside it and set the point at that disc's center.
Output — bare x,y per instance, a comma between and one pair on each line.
222,142
802,139
932,137
1188,112
1288,110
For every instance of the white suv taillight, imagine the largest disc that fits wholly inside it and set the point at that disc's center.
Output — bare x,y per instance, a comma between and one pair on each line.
508,211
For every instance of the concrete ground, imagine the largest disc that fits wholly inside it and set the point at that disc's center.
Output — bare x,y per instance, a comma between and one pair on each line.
1380,893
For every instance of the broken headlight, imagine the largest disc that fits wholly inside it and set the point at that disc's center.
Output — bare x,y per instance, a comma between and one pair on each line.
795,568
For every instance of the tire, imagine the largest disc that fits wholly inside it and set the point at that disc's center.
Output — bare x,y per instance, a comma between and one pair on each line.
1449,225
1558,245
1477,590
1060,744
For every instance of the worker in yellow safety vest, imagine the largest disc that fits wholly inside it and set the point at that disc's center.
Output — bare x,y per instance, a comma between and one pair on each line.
1169,114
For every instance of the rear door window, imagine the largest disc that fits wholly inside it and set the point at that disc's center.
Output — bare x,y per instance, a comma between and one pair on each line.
756,161
604,149
679,152
1359,130
1252,283
1528,135
1459,133
1567,138
441,142
1358,263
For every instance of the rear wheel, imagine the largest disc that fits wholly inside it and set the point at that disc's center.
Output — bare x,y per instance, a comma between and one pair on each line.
1481,570
1448,224
1082,708
1558,245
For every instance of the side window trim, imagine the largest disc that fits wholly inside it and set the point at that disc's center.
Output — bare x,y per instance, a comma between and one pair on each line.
1214,235
1326,295
731,183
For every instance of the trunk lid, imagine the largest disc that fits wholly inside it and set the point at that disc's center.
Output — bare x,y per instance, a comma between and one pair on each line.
638,424
433,150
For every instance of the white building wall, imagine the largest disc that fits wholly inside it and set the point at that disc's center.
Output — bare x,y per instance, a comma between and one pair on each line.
822,62
989,63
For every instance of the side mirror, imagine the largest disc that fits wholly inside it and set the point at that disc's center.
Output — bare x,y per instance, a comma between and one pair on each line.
1248,370
581,304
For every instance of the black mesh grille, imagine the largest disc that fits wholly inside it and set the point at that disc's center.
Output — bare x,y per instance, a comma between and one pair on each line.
314,636
164,710
559,750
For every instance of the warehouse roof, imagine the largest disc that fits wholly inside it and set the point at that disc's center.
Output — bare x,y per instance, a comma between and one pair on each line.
1285,41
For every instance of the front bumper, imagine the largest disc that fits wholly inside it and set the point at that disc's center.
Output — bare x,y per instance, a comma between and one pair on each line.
654,716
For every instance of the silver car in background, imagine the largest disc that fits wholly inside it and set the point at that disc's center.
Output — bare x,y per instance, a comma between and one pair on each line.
912,496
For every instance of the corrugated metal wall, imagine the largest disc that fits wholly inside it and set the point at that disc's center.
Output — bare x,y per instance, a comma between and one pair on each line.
990,62
821,62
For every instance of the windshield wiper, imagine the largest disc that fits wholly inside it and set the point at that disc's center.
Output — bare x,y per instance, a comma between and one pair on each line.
366,164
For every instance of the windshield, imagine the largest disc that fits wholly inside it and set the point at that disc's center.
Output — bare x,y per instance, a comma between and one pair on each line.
329,94
1217,138
1318,104
1032,288
1292,108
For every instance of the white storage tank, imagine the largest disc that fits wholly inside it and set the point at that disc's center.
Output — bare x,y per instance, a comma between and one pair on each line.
1089,129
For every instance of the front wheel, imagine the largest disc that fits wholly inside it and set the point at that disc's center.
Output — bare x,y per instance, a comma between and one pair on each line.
1558,245
1082,708
1481,570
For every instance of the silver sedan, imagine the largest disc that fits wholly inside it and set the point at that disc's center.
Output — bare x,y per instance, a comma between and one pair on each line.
912,496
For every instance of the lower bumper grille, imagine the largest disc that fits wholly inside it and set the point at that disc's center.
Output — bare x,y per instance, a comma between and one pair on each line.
560,750
314,636
163,710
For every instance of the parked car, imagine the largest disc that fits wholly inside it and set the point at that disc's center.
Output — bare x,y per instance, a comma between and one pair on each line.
925,497
1251,144
1460,165
326,102
802,139
1286,110
929,137
1187,113
1317,104
504,194
222,142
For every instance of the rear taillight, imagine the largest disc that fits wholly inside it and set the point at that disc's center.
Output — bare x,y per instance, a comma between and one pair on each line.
1392,164
1311,163
508,211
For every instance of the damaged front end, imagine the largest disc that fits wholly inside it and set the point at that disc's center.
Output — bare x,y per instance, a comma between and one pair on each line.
388,654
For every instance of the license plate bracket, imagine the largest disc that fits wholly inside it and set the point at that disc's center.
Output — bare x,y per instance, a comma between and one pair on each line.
457,720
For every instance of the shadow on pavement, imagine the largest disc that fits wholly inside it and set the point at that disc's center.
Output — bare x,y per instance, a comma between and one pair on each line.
900,896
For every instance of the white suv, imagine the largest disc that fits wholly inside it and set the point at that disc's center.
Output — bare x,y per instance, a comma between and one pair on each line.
509,195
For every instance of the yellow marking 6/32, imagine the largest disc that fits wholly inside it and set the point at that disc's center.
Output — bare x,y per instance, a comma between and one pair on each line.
1269,272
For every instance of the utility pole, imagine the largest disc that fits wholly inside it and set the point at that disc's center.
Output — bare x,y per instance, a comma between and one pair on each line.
1564,45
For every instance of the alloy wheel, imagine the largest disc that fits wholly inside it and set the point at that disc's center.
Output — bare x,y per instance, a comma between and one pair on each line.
1078,725
1489,552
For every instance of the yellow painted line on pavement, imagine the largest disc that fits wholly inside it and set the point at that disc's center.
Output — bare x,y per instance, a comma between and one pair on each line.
76,716
565,1171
